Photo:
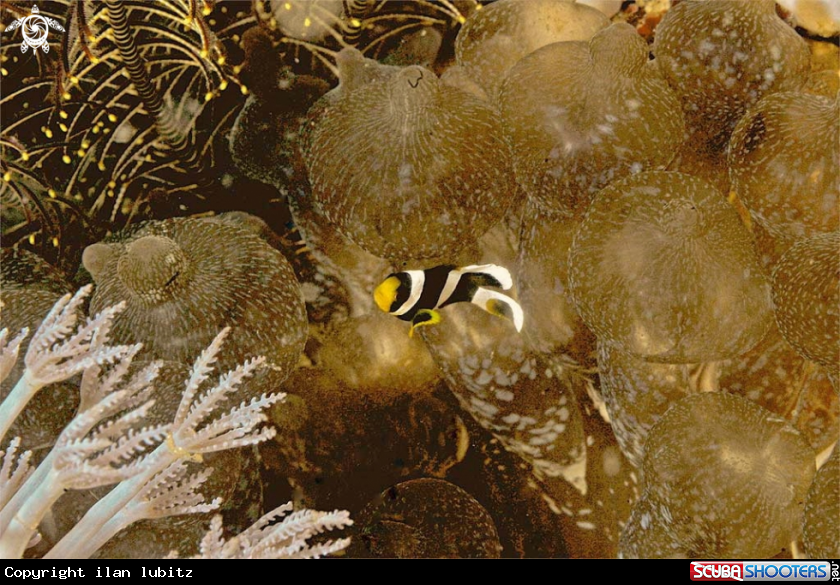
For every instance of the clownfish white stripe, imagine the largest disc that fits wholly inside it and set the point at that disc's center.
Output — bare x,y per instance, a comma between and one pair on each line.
485,298
452,280
418,279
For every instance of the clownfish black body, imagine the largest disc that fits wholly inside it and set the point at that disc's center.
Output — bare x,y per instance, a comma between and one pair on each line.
415,295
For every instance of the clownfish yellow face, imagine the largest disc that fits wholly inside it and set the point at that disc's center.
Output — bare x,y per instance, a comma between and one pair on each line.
386,293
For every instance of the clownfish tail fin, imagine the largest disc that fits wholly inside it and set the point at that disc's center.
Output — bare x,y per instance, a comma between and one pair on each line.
500,305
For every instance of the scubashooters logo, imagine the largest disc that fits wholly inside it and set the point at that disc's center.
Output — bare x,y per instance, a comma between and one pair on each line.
711,571
792,570
35,29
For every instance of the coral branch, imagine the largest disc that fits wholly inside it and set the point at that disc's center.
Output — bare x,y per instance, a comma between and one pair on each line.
85,455
9,351
169,493
55,355
269,539
198,428
106,443
12,478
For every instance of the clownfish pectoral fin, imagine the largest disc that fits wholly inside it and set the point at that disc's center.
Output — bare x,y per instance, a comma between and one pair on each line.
422,318
500,305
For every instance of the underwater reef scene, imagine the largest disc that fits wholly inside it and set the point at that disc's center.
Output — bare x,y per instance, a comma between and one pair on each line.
420,279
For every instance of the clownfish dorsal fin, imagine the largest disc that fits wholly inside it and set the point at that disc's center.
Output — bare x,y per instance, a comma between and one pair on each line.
495,275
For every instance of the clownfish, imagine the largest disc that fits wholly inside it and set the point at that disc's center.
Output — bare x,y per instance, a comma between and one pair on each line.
415,295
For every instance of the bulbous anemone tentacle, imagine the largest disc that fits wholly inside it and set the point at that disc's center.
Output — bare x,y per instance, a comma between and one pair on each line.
404,164
184,279
153,267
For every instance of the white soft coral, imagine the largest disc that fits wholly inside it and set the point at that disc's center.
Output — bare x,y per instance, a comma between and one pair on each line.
106,443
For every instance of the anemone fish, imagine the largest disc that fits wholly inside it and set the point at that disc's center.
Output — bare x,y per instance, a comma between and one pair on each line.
415,295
